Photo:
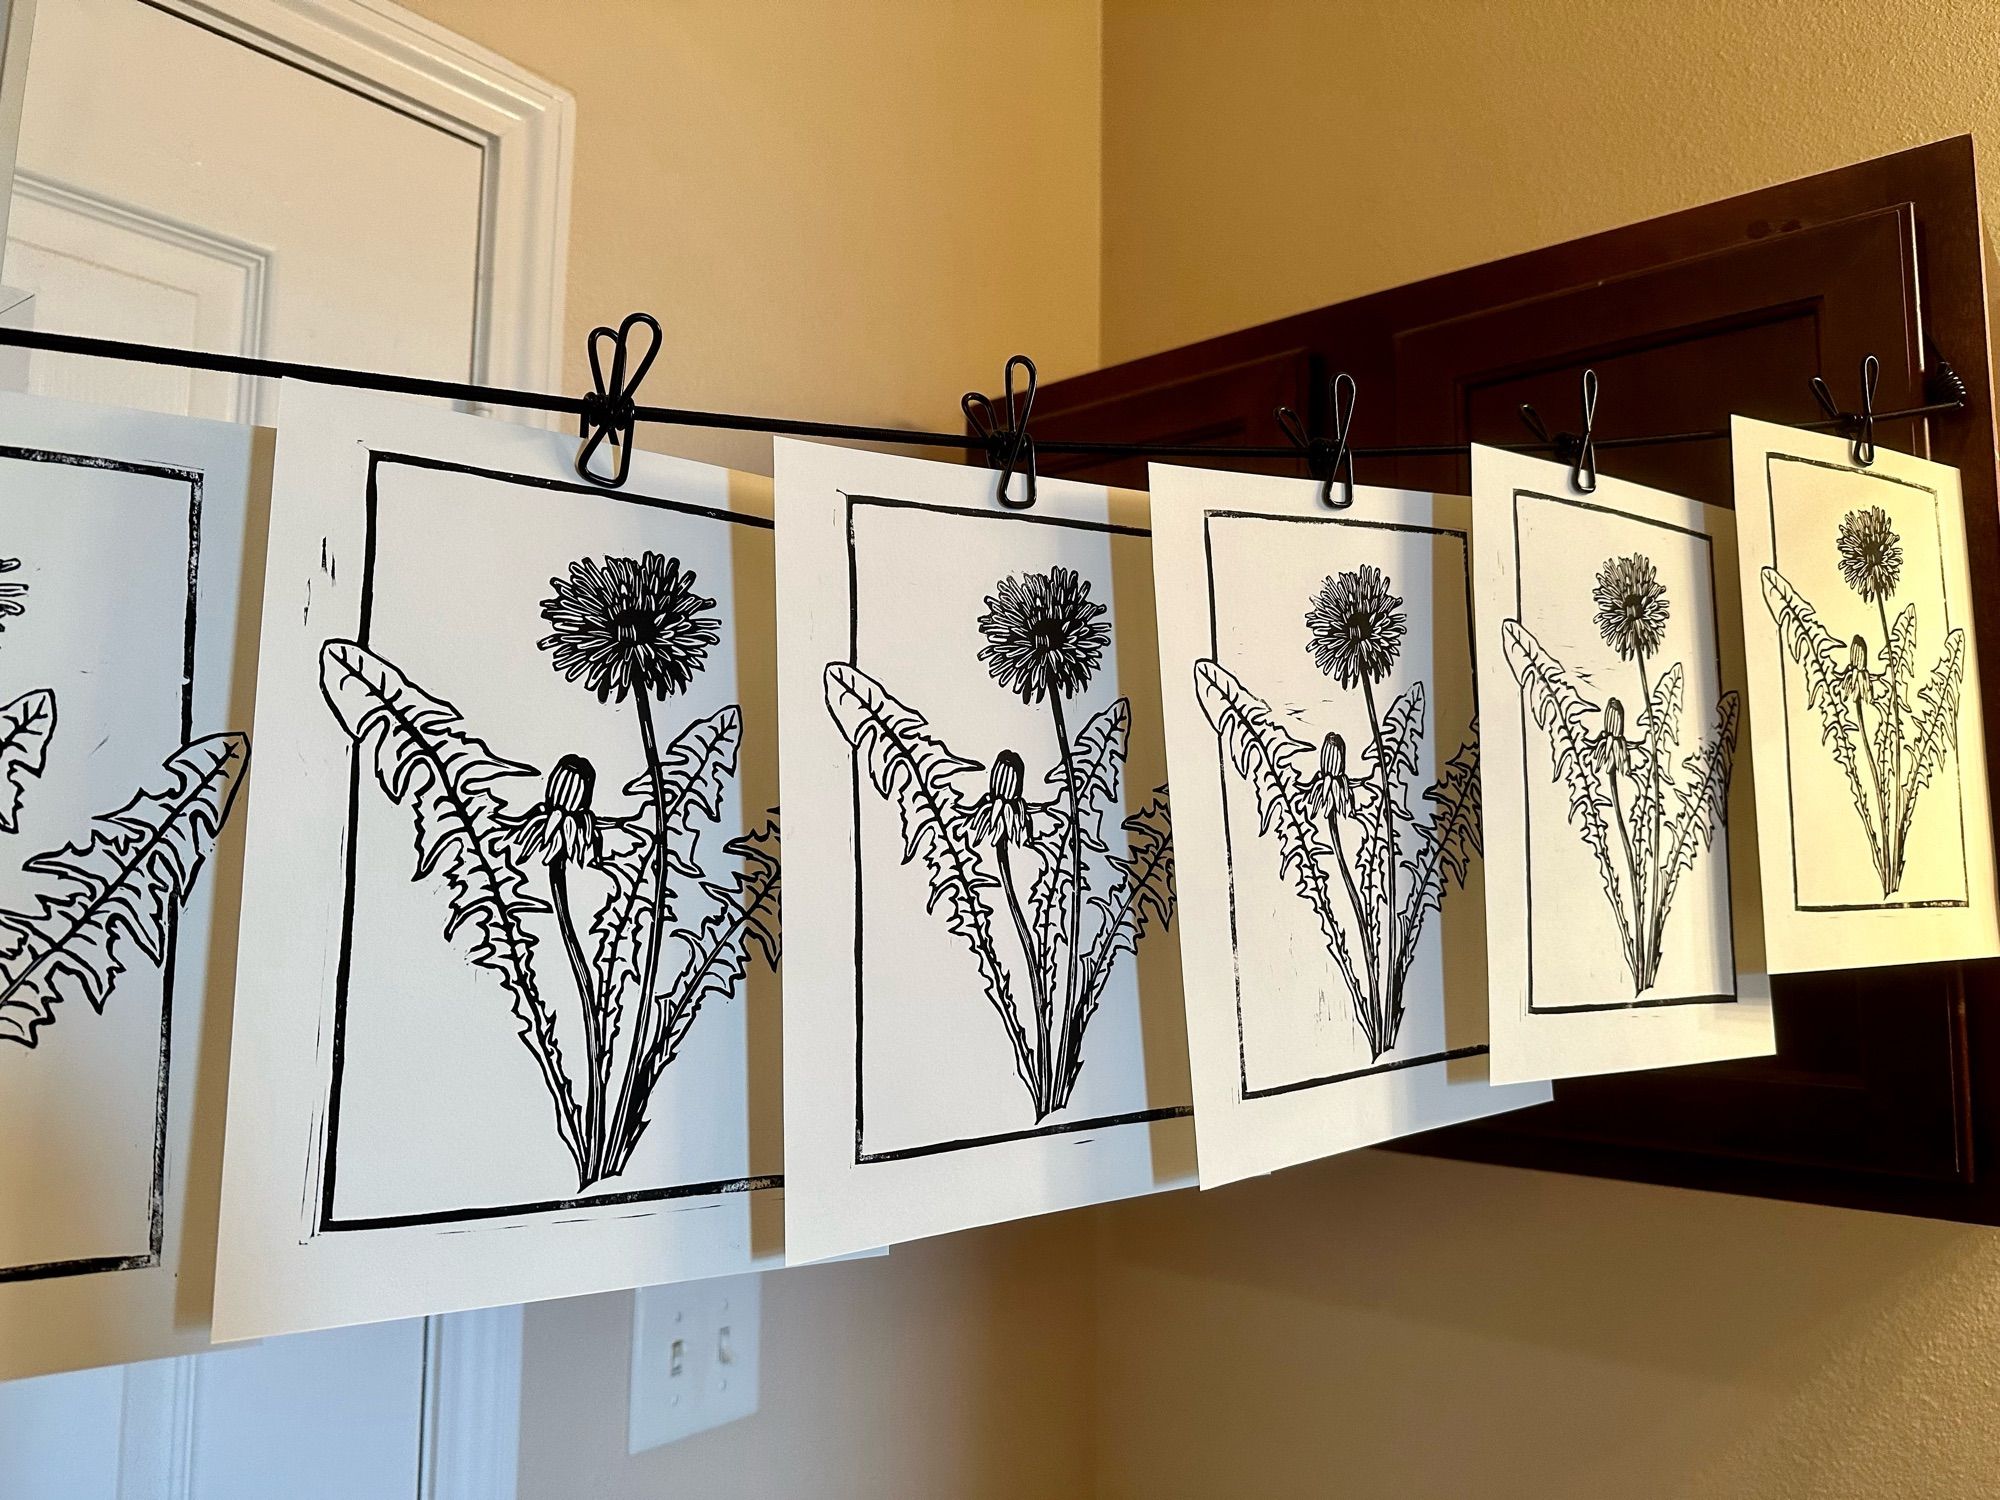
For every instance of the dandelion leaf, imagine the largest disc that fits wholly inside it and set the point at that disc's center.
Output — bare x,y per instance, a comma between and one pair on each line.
118,889
1823,660
1563,715
426,760
696,769
1098,755
1936,732
26,726
1265,755
913,770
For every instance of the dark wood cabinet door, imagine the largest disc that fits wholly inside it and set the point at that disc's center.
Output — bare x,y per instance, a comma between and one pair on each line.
1885,1090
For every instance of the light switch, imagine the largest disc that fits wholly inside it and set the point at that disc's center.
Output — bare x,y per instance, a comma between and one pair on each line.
694,1358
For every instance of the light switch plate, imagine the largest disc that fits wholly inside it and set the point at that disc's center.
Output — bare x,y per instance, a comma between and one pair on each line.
694,1358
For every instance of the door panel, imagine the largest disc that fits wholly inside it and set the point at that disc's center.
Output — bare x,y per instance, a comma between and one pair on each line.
1884,1088
181,187
368,217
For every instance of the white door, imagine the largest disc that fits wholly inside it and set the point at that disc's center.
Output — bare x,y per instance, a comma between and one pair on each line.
338,182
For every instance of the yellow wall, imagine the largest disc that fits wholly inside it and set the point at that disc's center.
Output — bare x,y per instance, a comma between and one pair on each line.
1384,1325
854,211
1262,157
837,209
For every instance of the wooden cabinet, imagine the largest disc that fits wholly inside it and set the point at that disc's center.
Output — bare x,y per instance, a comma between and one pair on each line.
1885,1090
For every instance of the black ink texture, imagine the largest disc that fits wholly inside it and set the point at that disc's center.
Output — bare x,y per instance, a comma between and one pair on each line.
1313,801
1849,684
1620,783
1071,907
625,629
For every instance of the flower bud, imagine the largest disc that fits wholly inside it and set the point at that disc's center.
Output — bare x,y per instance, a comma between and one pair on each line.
1005,781
1333,756
1857,655
571,784
1614,718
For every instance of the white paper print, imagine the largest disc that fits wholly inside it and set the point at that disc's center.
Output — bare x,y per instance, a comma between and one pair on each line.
970,701
1872,804
124,698
1322,734
507,1026
1622,920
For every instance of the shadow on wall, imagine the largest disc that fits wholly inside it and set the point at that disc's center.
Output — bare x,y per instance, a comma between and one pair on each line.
1420,1328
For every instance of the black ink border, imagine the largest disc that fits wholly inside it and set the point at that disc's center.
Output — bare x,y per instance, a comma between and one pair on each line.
1244,1093
327,1221
1527,840
163,1086
1785,704
863,1156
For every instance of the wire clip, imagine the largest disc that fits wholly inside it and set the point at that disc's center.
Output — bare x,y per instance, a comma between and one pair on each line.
1859,426
1009,447
610,410
1328,459
1579,450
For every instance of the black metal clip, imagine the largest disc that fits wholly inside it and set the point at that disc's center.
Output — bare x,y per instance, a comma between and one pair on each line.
1009,447
610,410
1328,459
1579,450
1859,426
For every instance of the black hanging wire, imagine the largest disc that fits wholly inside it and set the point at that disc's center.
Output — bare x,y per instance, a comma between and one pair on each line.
1328,459
609,410
1860,425
1946,392
1010,447
1578,450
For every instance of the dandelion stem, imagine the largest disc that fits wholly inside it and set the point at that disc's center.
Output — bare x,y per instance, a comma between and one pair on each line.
1385,981
592,1167
1366,1006
643,1024
1073,937
1044,1077
1654,917
1897,793
1635,953
1884,858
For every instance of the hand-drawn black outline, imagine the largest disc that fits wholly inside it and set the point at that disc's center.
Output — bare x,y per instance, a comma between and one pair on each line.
325,1170
122,884
1044,641
1355,629
11,594
1632,613
854,506
1838,677
1245,1090
623,627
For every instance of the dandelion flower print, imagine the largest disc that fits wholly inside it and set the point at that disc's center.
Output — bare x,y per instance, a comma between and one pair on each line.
1871,554
12,594
1632,606
1044,635
1356,627
561,825
629,626
1003,812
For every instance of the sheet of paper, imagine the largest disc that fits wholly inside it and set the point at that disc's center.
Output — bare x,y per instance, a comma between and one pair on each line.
1622,919
489,1046
1872,805
125,670
1334,953
970,704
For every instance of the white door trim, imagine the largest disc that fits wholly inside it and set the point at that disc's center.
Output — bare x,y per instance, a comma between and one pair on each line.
472,1405
471,1421
524,126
